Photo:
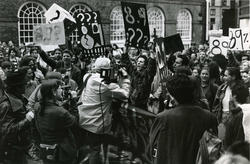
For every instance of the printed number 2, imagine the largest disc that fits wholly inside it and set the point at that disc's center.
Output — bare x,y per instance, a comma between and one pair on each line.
129,18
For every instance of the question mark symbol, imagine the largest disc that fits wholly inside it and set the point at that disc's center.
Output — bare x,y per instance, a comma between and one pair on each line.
141,35
89,16
56,17
133,34
146,39
95,15
82,16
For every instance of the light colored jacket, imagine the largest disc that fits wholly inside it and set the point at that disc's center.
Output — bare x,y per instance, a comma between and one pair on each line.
95,113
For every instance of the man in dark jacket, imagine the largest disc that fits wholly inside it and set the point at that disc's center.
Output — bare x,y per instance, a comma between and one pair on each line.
175,135
14,120
64,63
142,76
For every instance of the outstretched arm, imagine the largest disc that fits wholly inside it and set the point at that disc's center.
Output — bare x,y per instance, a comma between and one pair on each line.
52,63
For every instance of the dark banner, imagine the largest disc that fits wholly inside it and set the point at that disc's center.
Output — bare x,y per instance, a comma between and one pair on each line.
90,29
173,44
136,24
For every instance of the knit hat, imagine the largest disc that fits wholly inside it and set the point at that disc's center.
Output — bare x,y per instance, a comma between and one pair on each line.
16,78
102,63
54,75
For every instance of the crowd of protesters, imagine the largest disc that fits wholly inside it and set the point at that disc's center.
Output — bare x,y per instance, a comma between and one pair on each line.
63,107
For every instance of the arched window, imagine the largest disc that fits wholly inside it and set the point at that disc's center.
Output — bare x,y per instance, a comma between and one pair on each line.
29,14
74,37
184,26
117,30
156,21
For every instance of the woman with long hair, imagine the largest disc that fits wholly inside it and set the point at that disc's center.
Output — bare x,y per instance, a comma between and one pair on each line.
223,105
54,125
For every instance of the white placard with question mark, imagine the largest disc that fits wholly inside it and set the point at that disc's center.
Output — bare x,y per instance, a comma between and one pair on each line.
57,14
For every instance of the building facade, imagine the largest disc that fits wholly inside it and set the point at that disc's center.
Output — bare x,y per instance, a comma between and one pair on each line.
244,13
223,14
166,17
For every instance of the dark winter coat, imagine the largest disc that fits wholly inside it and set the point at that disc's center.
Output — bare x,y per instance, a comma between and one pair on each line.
175,134
14,127
75,71
54,127
140,81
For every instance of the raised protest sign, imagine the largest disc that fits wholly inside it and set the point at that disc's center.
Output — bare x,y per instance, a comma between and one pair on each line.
173,44
239,39
136,24
90,29
219,45
58,14
49,34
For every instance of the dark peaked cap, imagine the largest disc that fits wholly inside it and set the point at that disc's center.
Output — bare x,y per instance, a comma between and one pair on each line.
16,78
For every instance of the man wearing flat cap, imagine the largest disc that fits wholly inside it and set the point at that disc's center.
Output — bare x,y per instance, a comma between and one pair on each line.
15,120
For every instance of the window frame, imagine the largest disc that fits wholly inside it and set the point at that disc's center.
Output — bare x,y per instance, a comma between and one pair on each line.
162,30
117,11
25,21
188,38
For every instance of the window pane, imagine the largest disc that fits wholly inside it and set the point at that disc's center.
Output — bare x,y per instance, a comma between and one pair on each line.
184,26
156,22
117,31
29,15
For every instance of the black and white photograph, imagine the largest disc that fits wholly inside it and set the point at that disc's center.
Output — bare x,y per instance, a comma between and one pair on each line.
124,81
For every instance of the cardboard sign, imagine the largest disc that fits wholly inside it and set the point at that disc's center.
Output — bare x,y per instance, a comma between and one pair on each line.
136,24
90,29
49,34
173,44
57,14
239,39
219,45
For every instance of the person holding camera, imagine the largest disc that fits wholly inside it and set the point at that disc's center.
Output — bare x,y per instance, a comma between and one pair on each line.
95,113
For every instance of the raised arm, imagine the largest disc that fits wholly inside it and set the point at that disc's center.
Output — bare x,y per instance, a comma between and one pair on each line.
127,63
52,63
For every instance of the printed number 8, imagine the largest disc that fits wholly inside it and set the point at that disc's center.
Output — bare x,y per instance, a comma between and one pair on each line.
216,44
129,18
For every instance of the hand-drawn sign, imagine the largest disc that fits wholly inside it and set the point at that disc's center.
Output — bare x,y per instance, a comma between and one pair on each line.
239,39
136,24
90,29
57,14
49,34
219,45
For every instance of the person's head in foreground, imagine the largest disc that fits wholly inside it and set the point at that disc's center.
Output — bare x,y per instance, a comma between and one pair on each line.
232,159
